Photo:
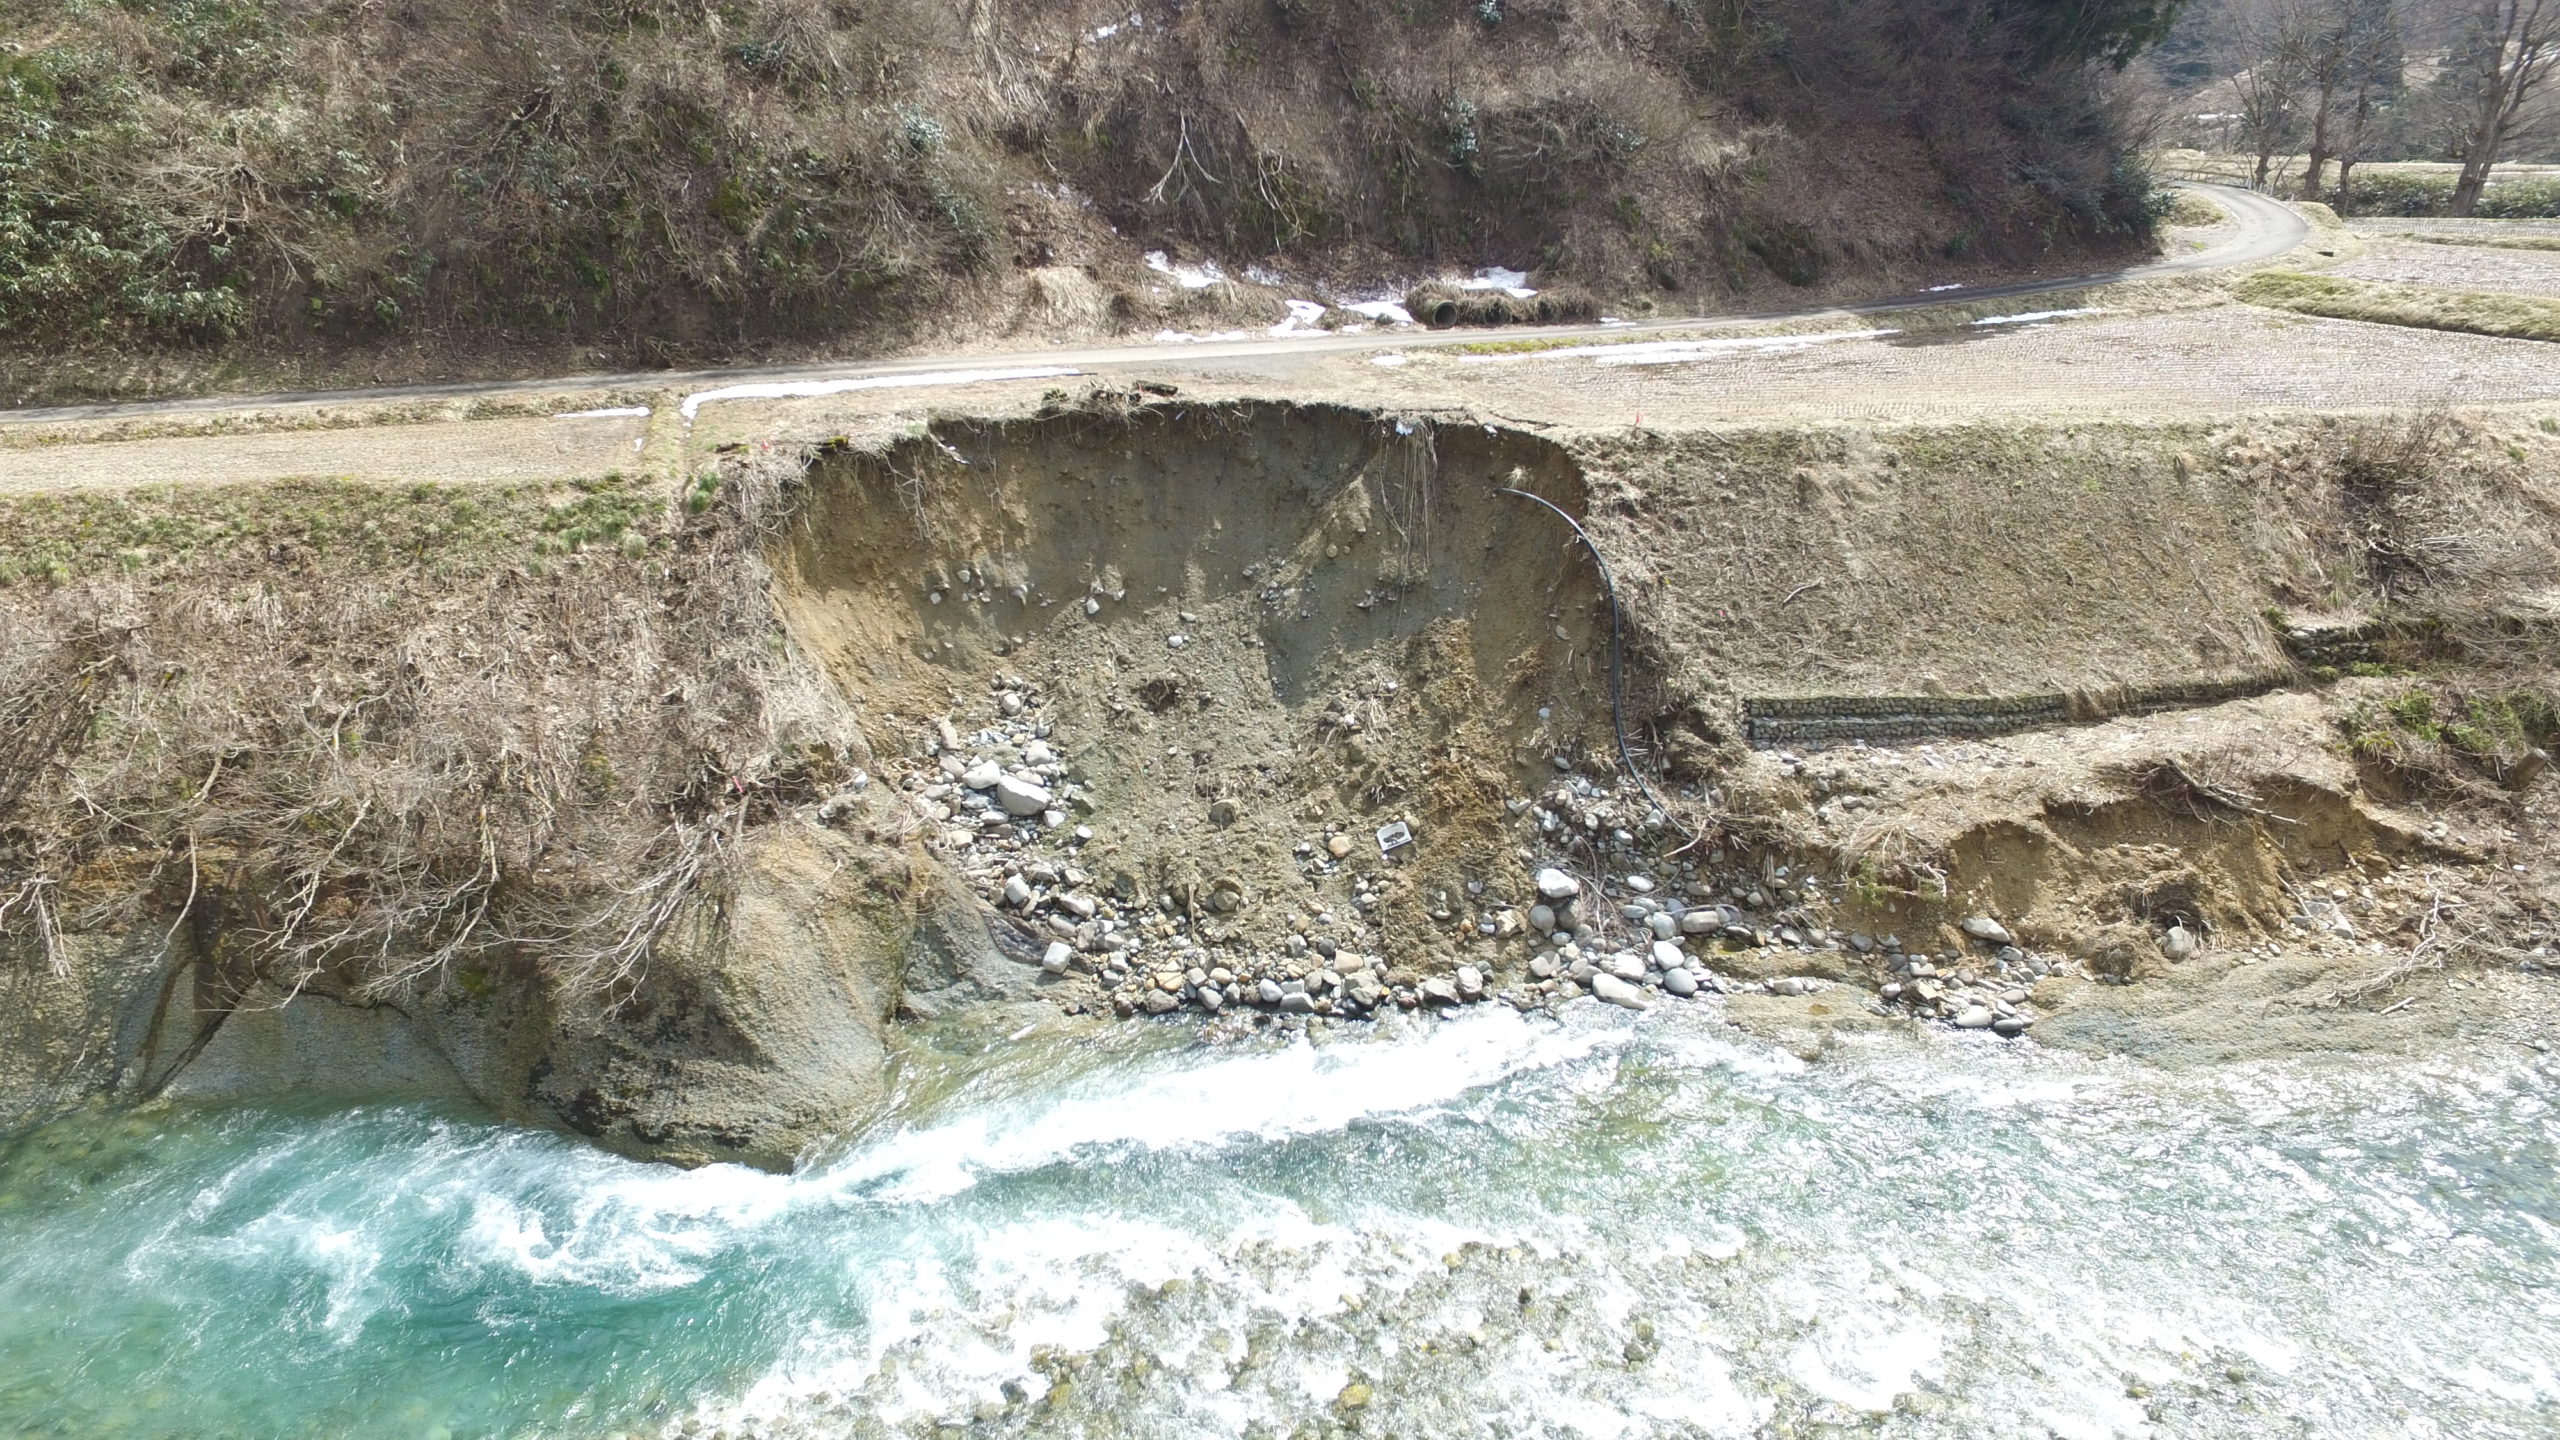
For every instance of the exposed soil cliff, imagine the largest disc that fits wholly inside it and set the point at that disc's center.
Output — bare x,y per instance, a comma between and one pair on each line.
645,804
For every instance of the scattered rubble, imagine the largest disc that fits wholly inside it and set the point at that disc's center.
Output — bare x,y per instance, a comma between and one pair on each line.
1612,912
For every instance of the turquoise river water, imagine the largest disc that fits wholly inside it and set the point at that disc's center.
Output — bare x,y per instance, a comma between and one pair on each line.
1604,1225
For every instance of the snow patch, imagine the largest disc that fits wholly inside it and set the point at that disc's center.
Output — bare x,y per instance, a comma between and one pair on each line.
1675,352
806,389
1387,312
619,412
1493,277
1303,315
2032,316
1189,277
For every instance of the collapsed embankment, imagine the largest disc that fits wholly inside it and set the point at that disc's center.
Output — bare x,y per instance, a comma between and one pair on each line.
643,806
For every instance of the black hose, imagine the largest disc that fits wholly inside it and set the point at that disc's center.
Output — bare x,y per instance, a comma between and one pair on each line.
1617,687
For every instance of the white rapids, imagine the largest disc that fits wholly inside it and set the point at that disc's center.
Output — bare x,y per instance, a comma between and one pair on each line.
1606,1225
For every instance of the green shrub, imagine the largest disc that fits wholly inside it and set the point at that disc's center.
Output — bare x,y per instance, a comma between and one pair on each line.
80,254
2442,738
2424,193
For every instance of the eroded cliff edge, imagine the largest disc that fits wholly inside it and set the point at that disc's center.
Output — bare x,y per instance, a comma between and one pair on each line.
622,805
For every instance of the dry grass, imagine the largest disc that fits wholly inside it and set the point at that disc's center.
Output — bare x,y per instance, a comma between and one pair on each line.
2487,242
2435,522
1888,851
2508,317
2195,212
483,757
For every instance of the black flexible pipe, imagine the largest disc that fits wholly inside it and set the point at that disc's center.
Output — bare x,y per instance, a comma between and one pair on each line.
1617,692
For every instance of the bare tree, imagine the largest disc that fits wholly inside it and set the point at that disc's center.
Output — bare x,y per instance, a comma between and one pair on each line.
2509,49
2346,51
2375,82
2356,130
2266,82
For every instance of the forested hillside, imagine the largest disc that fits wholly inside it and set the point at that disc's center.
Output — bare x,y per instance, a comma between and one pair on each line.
2300,86
430,182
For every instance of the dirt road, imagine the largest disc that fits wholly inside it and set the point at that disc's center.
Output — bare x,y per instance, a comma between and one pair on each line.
2262,230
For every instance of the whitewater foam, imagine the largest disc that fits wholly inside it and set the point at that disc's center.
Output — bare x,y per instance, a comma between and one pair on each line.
1590,1224
1294,1089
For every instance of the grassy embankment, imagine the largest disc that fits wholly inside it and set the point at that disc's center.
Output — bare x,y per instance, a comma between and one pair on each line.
2510,317
176,534
2490,242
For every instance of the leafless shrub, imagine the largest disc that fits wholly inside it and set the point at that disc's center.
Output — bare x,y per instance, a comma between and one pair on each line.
369,780
2209,786
51,701
1887,850
2447,936
664,178
2427,525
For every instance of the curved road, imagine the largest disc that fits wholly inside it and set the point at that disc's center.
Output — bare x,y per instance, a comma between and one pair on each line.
2267,229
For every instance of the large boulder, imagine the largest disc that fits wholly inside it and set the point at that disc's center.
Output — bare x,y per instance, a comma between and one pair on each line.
758,1027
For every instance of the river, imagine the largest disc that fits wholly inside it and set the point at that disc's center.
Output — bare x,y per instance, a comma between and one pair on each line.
1601,1225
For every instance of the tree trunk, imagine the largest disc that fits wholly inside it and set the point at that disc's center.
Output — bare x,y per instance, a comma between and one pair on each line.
2477,157
2359,134
2316,164
2480,151
2521,44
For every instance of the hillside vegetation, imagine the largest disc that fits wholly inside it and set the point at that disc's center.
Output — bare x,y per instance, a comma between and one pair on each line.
662,179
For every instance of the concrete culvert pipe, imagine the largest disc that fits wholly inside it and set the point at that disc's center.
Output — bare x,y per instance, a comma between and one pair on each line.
1434,304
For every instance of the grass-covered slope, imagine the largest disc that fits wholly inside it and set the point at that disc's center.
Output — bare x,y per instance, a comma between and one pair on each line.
2426,307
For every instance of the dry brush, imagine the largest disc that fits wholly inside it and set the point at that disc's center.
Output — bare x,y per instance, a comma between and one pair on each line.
513,753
